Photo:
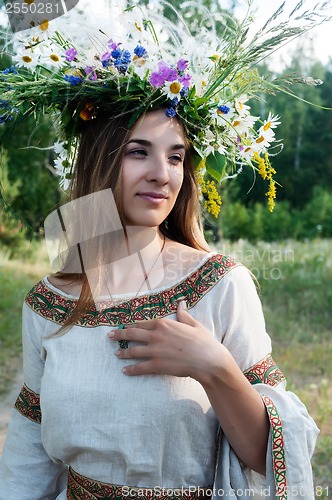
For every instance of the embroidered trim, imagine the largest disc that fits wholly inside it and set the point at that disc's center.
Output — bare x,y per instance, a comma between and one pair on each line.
84,488
278,449
265,372
28,404
56,307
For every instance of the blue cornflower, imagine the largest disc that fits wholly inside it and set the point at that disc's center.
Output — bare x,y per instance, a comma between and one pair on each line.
224,109
8,111
184,92
116,53
73,79
174,102
170,112
140,51
11,69
4,104
122,62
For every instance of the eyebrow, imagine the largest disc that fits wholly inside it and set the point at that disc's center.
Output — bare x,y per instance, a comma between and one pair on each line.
144,142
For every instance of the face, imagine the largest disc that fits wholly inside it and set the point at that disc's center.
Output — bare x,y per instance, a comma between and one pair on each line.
152,169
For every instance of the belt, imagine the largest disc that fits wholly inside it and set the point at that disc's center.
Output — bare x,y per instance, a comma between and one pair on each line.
83,488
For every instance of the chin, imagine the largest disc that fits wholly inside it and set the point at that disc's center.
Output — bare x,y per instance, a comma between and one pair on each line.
145,221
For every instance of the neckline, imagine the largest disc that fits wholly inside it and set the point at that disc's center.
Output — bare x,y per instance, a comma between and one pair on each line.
130,295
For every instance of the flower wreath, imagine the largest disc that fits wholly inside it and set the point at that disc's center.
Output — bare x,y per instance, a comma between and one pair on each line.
204,80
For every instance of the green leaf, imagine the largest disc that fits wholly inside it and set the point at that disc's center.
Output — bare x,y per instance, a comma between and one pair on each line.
215,165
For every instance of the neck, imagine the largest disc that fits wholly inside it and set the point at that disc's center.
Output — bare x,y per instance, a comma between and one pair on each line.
136,267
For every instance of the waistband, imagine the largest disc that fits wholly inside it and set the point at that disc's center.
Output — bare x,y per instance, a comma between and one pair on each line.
83,488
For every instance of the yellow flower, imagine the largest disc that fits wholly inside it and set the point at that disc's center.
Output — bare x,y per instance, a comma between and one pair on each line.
44,25
271,195
266,171
88,112
213,202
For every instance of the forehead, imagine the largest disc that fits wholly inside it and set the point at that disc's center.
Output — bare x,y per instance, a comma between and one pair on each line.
155,125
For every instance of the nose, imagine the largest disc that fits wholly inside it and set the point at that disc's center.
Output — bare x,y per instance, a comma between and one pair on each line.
159,170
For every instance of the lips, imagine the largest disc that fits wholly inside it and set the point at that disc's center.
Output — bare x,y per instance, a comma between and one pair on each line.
152,198
151,194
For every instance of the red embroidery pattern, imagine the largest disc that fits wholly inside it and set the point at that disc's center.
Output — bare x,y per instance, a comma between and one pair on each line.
278,449
83,488
28,404
56,307
265,372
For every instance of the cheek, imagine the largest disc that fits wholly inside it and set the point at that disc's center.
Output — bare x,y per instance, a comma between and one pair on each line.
176,178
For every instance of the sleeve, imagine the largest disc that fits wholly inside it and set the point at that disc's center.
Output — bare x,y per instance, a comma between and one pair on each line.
26,471
293,432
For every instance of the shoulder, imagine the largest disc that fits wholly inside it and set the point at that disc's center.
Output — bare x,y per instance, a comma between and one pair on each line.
188,259
48,302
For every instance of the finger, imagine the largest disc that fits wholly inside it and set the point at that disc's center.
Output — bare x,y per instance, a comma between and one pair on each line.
183,316
142,368
133,352
149,324
130,334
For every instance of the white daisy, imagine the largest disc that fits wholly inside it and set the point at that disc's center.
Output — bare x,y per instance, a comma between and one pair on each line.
243,124
61,169
263,141
173,89
240,107
271,122
52,57
247,152
27,58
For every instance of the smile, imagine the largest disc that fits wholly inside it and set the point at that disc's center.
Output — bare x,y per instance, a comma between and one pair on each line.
156,198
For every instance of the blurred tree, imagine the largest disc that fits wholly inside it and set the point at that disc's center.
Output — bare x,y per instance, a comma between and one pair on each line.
38,187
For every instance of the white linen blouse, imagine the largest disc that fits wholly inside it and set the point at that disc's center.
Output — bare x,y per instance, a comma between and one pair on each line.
78,409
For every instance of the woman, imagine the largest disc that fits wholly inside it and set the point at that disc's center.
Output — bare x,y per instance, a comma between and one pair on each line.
148,370
146,416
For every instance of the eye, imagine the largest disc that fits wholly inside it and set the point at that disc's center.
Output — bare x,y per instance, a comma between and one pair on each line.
176,159
137,153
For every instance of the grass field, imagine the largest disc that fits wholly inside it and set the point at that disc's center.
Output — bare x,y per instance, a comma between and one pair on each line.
295,287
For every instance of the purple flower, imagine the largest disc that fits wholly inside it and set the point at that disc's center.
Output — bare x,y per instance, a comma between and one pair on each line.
91,73
113,45
172,75
185,80
105,59
182,64
164,73
70,54
170,112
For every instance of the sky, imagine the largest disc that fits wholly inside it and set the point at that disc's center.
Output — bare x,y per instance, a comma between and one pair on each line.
318,39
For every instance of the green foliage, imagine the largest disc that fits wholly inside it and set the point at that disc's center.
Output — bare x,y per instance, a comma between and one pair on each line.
31,189
295,289
257,223
11,234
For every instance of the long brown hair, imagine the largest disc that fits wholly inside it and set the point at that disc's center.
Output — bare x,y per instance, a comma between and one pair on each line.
98,167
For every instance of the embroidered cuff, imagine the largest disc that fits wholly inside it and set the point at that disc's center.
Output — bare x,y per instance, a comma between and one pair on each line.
28,404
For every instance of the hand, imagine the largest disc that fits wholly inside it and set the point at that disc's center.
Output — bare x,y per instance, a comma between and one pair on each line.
182,348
